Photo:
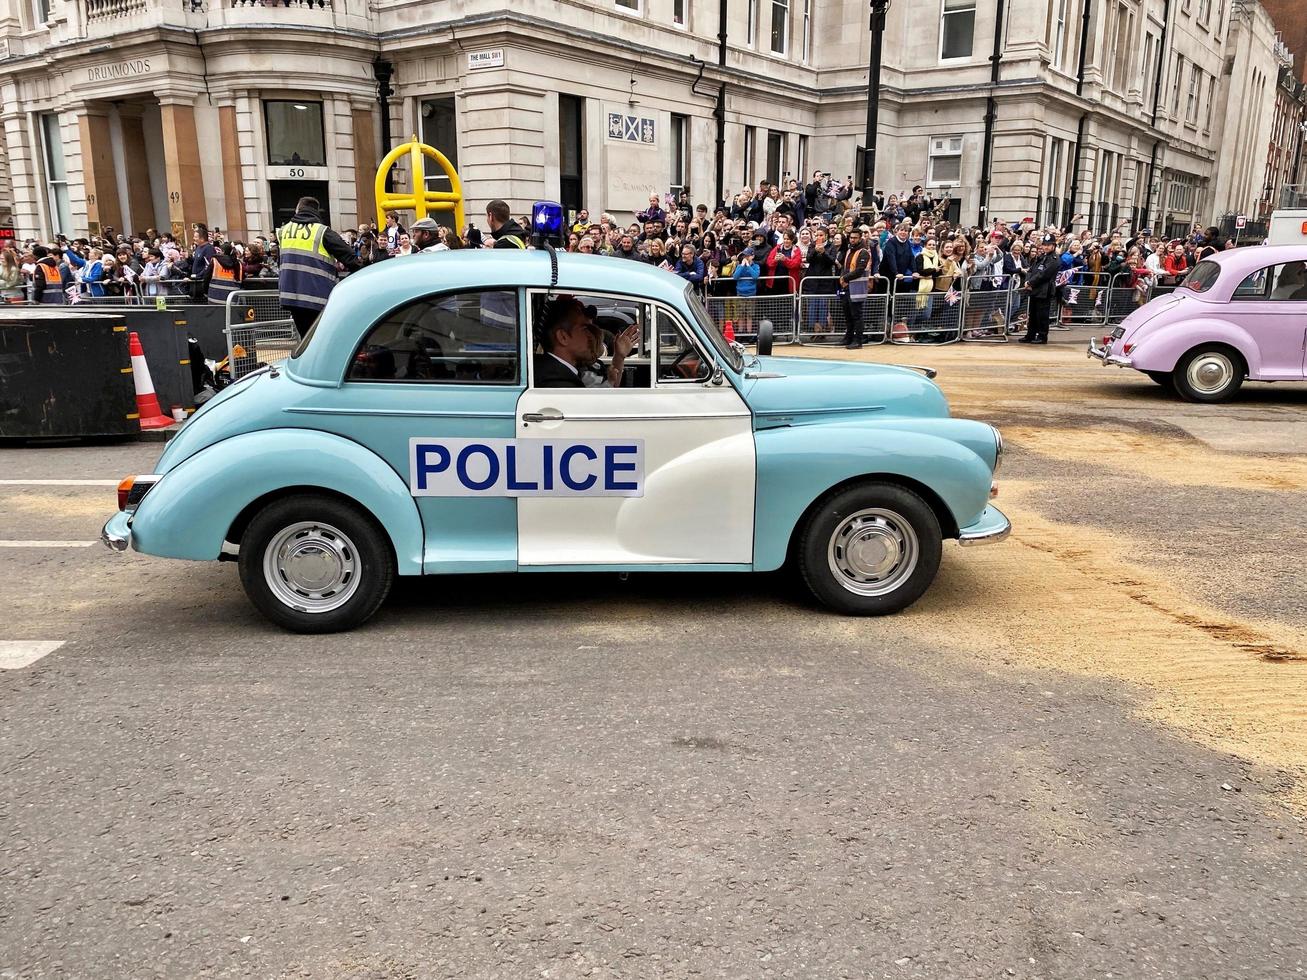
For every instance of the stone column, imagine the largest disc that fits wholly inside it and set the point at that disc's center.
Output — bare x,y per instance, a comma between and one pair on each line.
102,205
139,200
181,160
233,188
365,160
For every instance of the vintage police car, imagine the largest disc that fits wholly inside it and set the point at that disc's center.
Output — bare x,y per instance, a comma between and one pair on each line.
406,436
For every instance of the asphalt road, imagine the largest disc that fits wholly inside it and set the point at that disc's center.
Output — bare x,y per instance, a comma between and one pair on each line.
1080,756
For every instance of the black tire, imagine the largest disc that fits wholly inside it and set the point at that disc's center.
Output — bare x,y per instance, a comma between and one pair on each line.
763,344
357,554
820,555
1227,367
1162,378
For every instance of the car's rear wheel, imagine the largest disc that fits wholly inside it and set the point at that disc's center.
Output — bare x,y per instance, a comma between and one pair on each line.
870,550
1210,373
1162,378
315,564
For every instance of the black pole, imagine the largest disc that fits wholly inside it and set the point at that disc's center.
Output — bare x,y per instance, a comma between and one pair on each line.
383,71
991,117
868,175
719,111
1080,128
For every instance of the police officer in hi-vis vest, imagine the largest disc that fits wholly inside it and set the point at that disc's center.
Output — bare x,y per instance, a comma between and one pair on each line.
309,254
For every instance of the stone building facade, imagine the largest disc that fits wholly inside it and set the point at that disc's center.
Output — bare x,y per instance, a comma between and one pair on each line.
140,113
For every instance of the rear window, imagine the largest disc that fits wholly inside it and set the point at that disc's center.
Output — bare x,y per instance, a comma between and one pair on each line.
1203,277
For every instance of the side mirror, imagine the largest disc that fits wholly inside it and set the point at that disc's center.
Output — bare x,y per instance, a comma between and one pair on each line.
718,375
764,343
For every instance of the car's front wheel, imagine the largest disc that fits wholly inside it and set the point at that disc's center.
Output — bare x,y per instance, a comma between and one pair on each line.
870,550
315,564
1210,373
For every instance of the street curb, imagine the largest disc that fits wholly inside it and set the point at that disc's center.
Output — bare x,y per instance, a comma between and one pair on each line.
157,435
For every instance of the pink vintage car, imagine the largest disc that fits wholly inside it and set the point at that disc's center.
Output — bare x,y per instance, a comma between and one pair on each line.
1241,314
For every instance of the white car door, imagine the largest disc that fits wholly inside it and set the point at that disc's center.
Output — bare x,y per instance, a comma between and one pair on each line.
684,441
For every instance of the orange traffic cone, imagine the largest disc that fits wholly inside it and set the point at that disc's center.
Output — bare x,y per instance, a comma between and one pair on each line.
147,402
728,331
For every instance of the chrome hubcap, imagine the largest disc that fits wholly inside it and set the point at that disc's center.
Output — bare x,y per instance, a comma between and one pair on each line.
1210,372
311,567
873,552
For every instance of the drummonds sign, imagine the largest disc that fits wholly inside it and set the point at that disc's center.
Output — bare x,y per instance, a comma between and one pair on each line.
118,69
526,468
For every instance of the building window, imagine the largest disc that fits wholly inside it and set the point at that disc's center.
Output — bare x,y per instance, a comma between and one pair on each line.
945,161
806,46
632,5
678,12
40,13
957,29
1191,100
680,153
294,133
780,26
1204,12
802,171
56,178
571,152
751,24
439,129
1175,85
1059,13
775,156
750,144
1211,101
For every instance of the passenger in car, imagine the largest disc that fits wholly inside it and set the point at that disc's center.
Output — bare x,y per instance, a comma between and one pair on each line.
598,374
565,344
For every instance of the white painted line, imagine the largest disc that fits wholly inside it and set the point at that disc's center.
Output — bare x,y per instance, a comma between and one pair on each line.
46,544
58,483
17,654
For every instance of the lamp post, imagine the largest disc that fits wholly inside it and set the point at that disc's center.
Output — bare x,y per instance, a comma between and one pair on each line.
868,175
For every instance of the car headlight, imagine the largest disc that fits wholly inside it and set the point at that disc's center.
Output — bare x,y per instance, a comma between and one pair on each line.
998,449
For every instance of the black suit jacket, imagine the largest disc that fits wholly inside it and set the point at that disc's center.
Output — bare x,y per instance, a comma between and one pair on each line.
549,373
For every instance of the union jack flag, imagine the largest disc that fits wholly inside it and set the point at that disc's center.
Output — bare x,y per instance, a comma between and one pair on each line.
1072,296
952,297
1064,276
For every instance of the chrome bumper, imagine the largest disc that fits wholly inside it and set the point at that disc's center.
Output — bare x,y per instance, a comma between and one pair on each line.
1102,354
992,528
116,535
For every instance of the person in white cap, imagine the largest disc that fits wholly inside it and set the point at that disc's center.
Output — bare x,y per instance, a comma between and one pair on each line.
425,235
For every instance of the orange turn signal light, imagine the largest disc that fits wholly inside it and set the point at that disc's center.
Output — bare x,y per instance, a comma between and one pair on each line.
124,490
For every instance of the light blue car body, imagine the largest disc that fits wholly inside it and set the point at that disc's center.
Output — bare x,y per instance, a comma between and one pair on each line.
817,425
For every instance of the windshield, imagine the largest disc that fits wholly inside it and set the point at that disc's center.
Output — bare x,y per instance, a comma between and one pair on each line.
1203,277
729,354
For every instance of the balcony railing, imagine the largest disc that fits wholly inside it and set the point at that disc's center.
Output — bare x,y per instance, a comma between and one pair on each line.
105,9
298,4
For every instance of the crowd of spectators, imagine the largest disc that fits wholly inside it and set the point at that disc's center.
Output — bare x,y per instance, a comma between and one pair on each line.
769,239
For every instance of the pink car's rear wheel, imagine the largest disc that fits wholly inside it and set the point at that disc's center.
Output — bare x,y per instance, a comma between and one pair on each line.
1210,373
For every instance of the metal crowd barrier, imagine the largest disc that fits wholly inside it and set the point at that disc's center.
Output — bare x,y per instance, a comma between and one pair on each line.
987,308
933,317
258,331
823,311
744,313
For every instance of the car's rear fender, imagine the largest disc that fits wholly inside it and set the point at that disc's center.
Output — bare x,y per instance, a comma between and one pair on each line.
1161,346
797,467
192,510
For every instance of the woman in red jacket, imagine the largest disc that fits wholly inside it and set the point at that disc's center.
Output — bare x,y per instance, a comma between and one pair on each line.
785,259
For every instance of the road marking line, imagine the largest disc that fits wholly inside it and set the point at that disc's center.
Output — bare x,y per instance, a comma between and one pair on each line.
59,483
17,654
46,544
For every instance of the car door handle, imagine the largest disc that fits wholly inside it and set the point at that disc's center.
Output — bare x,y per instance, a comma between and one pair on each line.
549,416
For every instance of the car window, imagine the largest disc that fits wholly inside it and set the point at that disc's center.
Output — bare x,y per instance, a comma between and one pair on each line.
455,338
609,318
1202,277
1255,286
679,360
1289,281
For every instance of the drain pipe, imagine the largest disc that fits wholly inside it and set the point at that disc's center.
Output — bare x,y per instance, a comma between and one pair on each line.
1157,98
1080,127
719,111
991,115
